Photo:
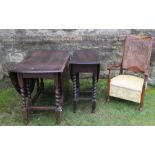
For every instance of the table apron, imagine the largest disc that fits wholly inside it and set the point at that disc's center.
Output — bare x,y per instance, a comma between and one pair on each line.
90,68
39,75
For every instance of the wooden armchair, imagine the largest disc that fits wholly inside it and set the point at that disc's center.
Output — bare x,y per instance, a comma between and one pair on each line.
136,58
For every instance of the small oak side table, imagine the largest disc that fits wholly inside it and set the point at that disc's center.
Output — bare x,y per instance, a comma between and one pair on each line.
84,62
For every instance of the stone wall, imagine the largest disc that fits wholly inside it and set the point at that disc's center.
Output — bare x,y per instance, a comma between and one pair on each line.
17,44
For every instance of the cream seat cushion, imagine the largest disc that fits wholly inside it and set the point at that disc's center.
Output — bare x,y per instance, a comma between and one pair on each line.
126,87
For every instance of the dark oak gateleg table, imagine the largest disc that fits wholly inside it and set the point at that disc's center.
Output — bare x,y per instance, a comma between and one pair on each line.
84,62
32,70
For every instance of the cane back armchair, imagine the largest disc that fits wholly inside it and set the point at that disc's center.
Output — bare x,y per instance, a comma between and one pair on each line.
136,58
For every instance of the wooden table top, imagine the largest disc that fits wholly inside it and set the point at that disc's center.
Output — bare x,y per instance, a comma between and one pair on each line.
85,57
43,62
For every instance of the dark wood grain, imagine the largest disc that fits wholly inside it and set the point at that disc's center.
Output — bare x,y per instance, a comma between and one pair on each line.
43,62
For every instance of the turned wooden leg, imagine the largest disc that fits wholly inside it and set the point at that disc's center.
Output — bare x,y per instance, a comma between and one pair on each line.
58,108
75,95
29,104
62,97
77,84
94,93
24,104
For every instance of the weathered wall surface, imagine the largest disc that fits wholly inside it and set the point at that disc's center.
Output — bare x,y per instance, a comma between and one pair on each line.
17,44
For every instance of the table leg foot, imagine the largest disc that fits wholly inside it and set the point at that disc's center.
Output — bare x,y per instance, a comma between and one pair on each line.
94,107
58,115
74,106
25,116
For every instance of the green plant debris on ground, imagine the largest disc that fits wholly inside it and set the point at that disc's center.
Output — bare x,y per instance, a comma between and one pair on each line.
117,112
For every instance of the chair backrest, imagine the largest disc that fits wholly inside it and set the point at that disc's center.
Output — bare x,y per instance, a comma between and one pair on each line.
137,53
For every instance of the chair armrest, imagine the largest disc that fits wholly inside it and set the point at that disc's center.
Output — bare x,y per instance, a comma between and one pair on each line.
113,66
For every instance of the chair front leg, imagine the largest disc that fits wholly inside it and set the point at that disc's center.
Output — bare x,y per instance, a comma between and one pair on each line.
108,87
143,94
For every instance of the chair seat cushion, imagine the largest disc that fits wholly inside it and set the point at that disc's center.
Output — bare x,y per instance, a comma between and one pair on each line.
128,81
126,87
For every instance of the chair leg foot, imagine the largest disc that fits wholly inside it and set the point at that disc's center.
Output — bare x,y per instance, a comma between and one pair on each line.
107,99
140,108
